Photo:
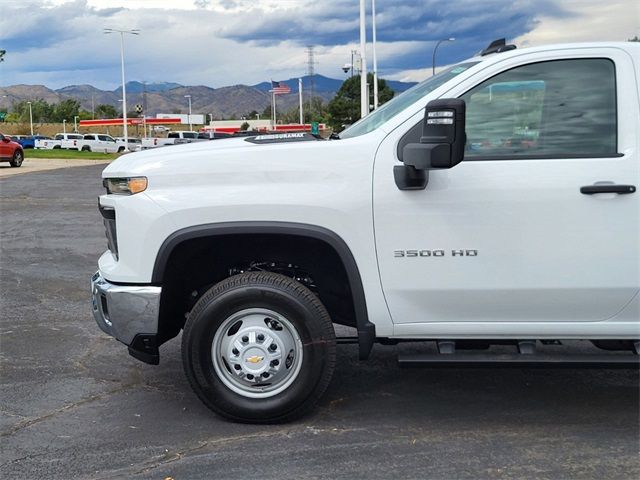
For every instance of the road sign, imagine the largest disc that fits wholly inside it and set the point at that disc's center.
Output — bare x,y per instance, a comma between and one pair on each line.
138,108
315,128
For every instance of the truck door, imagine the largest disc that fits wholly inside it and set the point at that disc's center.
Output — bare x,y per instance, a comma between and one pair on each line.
515,233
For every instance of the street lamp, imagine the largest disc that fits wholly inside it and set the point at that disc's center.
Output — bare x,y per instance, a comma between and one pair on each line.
364,100
75,123
30,118
64,126
188,97
124,93
375,58
433,61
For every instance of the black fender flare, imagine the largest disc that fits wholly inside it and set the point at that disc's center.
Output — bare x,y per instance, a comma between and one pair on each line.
366,330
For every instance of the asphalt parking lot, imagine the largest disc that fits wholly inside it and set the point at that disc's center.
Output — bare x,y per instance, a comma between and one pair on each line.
75,405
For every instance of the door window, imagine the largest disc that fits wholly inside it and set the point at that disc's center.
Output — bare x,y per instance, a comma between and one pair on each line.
561,108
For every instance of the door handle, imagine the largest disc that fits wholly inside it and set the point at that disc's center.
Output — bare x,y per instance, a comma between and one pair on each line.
619,189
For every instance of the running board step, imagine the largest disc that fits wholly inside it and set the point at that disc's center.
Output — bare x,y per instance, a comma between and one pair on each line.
459,360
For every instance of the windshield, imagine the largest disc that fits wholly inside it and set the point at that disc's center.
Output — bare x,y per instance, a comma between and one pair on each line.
404,100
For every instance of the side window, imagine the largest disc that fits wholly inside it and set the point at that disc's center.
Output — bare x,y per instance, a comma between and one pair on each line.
89,137
561,108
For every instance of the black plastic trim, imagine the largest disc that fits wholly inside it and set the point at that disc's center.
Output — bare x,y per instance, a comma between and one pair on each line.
366,330
563,156
144,347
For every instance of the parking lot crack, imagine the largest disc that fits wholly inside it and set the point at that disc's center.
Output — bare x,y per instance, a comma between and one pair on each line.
32,421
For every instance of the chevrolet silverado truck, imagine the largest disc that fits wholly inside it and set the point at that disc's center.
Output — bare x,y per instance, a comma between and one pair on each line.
492,204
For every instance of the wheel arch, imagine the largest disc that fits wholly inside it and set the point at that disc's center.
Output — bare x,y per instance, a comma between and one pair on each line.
366,330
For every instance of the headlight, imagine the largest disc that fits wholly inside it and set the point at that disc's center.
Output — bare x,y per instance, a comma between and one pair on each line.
125,185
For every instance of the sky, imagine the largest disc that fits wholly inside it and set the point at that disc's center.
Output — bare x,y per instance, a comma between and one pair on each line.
226,42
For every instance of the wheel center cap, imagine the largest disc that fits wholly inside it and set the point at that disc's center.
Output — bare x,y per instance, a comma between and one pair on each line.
254,359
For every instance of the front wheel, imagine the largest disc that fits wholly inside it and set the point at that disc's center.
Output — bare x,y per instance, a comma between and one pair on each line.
259,347
18,158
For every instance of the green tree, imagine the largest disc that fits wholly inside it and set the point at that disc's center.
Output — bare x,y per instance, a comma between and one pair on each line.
344,108
106,111
40,109
66,110
245,126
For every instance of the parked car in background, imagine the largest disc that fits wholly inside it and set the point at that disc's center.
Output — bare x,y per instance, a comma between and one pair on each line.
60,140
29,141
10,151
98,142
213,135
185,135
135,144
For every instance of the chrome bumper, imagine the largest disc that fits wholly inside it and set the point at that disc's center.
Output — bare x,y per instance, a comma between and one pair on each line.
124,311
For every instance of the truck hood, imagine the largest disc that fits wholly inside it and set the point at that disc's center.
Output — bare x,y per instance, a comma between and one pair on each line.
201,156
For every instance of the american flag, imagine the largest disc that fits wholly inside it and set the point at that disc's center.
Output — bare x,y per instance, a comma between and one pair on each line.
279,88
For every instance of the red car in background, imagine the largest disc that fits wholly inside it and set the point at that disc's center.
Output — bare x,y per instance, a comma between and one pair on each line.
10,151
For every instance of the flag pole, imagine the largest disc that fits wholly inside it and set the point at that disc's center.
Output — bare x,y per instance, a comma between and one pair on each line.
275,122
300,98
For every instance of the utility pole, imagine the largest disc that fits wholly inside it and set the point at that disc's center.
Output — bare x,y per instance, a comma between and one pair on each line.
311,71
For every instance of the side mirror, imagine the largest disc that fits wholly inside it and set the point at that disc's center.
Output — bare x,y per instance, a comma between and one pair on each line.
441,145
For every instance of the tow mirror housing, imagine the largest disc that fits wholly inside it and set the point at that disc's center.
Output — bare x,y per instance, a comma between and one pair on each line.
441,145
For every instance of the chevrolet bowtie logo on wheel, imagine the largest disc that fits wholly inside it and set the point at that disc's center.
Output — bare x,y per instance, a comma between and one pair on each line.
254,359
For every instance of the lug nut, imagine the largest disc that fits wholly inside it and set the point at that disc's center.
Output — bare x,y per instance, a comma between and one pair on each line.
249,377
273,347
275,363
265,375
245,339
260,337
235,351
237,367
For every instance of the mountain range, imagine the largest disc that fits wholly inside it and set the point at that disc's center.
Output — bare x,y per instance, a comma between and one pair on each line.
169,97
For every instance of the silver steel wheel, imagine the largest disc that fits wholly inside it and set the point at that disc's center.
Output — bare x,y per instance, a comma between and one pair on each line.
257,353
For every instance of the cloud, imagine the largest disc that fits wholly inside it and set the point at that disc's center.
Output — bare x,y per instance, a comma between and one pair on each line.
224,42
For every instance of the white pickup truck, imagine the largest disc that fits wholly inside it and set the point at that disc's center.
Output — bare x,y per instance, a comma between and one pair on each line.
98,142
60,140
173,138
505,212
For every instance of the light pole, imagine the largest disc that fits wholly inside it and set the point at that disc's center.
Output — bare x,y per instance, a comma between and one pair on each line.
210,118
364,100
124,93
433,61
75,123
188,97
375,58
64,126
30,118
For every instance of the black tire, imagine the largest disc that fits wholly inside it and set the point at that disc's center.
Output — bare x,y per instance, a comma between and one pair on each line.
86,148
284,296
57,147
121,149
18,158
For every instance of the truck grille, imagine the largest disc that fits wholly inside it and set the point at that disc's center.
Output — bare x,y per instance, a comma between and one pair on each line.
109,219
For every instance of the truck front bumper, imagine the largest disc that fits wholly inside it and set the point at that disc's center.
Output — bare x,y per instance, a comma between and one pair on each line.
128,313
